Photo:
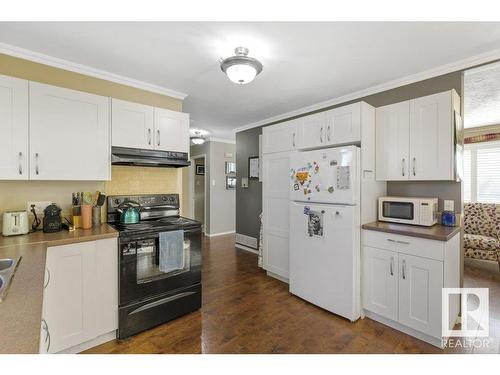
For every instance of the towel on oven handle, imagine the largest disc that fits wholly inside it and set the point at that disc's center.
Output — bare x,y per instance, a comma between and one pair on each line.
171,251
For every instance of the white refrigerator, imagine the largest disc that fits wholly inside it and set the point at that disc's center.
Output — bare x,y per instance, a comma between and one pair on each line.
325,229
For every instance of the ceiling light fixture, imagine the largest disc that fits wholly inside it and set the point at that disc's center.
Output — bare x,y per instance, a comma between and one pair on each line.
241,68
197,138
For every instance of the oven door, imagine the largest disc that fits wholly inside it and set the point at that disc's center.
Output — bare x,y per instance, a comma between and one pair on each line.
399,211
140,274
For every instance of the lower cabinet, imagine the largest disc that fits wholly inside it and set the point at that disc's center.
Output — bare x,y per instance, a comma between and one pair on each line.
401,287
80,301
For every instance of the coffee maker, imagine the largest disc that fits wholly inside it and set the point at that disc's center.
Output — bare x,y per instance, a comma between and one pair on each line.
52,219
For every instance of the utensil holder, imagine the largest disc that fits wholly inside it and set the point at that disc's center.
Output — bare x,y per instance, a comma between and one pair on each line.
86,210
96,216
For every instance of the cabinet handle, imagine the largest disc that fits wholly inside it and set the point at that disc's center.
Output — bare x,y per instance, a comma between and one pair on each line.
403,242
391,240
403,167
293,139
414,169
20,163
404,269
158,133
36,164
48,278
149,137
328,133
390,267
321,135
47,337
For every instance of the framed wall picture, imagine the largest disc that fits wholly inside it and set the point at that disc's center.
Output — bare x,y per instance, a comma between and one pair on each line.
200,170
253,167
230,167
230,182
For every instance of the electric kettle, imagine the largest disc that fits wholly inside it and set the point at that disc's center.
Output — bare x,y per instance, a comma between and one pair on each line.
14,223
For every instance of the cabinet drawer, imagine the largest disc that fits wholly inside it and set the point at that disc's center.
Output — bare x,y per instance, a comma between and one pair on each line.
420,247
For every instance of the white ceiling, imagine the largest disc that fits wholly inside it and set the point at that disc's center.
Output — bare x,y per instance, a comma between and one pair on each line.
304,63
482,96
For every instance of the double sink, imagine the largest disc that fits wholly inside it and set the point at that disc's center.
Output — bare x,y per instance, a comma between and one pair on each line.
7,269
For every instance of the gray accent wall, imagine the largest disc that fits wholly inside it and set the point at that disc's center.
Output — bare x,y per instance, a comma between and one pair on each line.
249,201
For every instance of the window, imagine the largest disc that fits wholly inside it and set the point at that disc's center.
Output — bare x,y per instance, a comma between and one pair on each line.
482,172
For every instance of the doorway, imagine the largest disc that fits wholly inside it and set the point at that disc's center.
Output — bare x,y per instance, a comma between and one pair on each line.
198,189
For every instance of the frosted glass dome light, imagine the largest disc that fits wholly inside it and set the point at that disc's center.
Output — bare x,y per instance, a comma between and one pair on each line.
241,69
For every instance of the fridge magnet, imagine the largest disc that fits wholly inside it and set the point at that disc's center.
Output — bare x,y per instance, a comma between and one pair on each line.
330,189
315,224
301,176
316,167
306,210
333,163
317,188
295,187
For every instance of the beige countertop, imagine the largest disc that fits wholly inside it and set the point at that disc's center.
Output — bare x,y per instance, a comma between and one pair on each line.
436,232
21,309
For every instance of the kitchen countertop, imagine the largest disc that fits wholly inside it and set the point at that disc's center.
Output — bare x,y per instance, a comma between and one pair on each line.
21,309
436,232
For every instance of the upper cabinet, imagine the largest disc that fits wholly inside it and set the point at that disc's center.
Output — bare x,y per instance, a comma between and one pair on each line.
69,134
13,128
416,138
311,130
141,126
171,130
280,137
132,124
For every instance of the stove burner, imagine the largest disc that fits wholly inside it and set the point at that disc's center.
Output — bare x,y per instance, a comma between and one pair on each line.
137,226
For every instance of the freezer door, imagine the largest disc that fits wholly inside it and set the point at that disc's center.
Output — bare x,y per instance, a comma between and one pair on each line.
324,256
325,176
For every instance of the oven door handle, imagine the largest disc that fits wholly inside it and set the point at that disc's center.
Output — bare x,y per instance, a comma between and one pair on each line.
160,302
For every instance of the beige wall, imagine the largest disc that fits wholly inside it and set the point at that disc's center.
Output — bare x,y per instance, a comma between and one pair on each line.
125,180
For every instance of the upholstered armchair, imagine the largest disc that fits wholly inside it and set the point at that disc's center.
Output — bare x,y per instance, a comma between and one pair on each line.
482,231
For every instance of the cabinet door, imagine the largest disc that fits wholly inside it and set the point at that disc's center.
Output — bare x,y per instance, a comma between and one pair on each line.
13,128
132,124
275,208
431,137
420,284
171,130
311,130
67,302
280,137
393,142
380,282
69,134
343,124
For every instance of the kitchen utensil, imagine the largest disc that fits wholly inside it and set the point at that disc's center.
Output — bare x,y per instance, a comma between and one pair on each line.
87,198
14,223
129,212
96,216
86,210
101,199
52,219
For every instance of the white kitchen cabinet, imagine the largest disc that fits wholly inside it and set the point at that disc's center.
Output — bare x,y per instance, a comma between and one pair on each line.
132,124
280,137
416,138
69,134
275,208
13,129
171,130
420,284
380,281
393,142
80,300
343,124
312,130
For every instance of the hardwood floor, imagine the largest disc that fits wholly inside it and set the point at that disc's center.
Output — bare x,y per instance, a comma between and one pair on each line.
245,311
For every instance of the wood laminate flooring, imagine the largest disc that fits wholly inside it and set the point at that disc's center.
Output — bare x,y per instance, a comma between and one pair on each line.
245,311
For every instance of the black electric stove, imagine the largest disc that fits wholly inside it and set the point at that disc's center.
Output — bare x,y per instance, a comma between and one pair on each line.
148,295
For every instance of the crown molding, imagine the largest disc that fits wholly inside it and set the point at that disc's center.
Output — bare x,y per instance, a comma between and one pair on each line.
222,140
56,62
466,63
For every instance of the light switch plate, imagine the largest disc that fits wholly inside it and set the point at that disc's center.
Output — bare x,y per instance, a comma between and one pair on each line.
449,205
244,182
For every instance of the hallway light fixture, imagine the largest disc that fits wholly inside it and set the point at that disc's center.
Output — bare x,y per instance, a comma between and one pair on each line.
197,137
241,68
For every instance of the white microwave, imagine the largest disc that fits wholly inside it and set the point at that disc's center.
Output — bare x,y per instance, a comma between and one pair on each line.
416,211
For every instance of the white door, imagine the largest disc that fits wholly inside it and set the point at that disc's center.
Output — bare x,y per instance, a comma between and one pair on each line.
379,275
280,137
431,137
311,130
69,134
67,300
13,129
132,124
324,256
171,130
326,176
275,208
343,124
393,142
420,284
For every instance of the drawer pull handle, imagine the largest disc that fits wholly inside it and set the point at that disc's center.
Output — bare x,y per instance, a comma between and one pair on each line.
404,269
398,241
392,261
391,240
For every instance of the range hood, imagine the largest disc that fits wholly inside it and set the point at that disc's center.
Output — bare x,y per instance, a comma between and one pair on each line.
148,158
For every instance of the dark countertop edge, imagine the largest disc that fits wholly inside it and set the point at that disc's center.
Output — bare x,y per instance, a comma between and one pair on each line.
414,231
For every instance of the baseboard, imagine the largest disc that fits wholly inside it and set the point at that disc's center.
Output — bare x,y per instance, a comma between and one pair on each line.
409,331
219,234
248,241
90,344
278,277
246,248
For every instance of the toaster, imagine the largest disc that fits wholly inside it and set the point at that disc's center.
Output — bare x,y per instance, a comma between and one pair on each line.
14,223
